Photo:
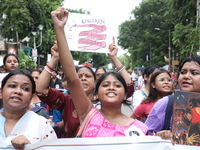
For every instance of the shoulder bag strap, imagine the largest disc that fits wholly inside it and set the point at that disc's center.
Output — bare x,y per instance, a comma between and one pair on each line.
85,122
143,92
37,108
168,113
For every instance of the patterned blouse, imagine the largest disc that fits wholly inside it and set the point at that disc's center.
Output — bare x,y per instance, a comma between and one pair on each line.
63,102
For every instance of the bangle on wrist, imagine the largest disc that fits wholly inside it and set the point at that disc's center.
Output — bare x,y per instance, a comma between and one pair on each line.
51,69
119,68
47,69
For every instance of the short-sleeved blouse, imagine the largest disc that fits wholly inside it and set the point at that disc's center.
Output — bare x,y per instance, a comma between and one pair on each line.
34,127
98,126
143,110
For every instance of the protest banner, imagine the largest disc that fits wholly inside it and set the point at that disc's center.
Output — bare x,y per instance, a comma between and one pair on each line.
186,118
88,33
105,143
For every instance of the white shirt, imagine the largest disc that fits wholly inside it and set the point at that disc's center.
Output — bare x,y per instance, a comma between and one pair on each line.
141,81
134,76
34,127
138,96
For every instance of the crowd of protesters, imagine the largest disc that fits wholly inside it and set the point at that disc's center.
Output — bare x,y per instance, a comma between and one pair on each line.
50,103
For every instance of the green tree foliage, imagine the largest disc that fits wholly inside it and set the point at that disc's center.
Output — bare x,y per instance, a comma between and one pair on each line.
183,11
100,60
80,11
96,59
176,21
187,38
142,38
25,61
186,33
21,17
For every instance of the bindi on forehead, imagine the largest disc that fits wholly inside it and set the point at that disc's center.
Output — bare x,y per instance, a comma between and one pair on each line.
84,72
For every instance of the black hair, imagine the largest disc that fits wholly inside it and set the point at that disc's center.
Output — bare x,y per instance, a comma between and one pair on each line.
60,68
2,66
89,68
153,96
1,103
148,71
40,66
115,74
56,71
7,55
39,71
16,72
193,58
100,68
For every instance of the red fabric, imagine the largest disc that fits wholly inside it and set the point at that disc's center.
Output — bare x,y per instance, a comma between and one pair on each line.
47,108
61,101
130,90
173,77
195,116
143,110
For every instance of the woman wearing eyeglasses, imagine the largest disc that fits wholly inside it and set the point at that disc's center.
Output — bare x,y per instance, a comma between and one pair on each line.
160,86
188,78
99,72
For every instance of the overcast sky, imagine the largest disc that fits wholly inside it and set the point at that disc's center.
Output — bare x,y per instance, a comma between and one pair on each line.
117,11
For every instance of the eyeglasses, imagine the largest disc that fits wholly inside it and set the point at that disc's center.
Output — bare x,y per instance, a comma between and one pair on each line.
99,74
165,79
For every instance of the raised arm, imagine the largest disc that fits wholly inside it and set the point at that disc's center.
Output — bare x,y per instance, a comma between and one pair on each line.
118,65
44,78
81,101
120,68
